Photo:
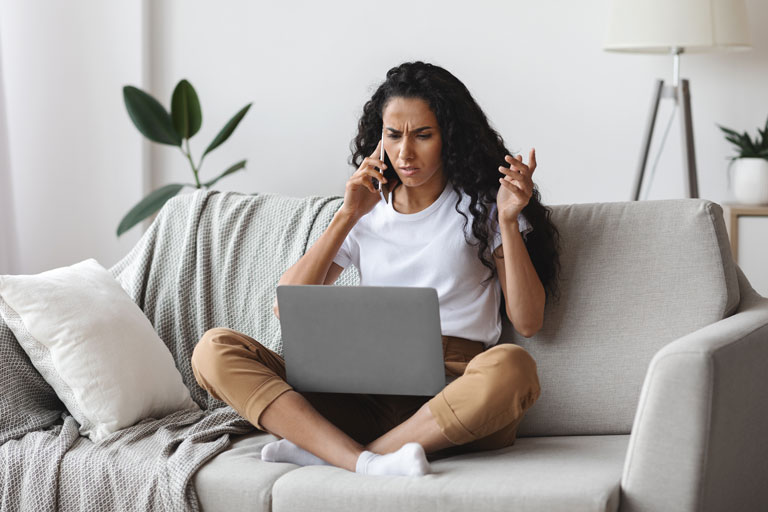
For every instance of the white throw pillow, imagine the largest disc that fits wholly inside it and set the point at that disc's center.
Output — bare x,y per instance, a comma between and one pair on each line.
94,346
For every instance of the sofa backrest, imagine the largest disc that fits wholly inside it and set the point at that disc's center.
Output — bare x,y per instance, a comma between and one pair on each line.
213,259
635,276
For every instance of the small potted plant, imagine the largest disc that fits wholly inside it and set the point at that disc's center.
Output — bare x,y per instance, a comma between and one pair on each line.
176,128
750,166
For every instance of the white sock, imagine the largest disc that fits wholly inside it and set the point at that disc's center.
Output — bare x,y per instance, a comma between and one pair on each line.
409,460
285,451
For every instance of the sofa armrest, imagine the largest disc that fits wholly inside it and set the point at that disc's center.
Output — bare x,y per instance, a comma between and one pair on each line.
700,435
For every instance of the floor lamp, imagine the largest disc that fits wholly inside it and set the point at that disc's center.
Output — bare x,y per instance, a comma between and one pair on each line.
675,27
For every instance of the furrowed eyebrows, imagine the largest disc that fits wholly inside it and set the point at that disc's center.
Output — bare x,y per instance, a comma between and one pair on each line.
416,130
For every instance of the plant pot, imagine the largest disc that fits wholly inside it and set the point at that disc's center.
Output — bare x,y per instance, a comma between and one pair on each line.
750,180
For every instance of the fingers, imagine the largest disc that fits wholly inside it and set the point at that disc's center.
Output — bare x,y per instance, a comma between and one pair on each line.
371,162
368,182
371,168
367,173
367,177
517,178
515,189
517,185
517,162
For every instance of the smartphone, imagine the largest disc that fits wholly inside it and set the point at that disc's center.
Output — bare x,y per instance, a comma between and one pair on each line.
389,172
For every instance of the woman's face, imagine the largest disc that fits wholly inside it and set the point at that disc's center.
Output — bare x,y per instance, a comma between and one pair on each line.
412,140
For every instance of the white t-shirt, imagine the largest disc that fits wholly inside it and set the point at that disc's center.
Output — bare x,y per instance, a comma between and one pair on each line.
428,249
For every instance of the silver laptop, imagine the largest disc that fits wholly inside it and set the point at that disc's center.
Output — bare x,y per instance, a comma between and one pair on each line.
362,339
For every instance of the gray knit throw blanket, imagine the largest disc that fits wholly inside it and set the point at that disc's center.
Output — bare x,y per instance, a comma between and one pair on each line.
209,259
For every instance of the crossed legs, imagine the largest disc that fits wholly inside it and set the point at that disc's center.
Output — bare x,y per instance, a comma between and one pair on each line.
311,431
480,409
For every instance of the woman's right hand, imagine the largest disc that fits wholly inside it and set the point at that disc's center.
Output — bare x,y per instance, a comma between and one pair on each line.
360,196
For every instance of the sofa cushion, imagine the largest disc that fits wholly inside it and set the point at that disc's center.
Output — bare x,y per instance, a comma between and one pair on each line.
94,346
237,478
569,474
635,276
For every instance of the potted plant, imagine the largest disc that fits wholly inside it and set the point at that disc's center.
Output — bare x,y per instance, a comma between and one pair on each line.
175,129
750,167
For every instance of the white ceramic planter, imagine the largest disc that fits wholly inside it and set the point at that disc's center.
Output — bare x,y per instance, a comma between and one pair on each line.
750,180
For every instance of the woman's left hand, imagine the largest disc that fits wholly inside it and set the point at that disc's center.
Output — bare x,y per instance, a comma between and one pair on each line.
516,186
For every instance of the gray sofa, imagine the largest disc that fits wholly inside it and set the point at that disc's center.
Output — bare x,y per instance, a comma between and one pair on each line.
653,367
654,371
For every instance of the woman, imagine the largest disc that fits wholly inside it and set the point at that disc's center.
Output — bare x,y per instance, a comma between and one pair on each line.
446,162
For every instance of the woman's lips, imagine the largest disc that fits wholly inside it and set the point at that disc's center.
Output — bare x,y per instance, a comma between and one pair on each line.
409,171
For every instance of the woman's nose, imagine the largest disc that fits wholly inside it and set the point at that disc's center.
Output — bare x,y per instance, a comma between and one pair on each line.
405,150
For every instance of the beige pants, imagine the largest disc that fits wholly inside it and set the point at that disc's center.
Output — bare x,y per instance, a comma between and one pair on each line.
480,410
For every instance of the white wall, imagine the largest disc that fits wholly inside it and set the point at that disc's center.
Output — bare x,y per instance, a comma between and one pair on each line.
8,241
76,159
536,68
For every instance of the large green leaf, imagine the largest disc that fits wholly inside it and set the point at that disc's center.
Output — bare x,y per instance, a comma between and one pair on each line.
234,168
150,117
228,129
185,110
147,206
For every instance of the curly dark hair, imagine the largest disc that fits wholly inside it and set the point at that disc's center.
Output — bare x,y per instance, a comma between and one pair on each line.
471,153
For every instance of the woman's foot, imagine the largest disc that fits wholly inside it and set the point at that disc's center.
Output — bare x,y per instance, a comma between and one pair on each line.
285,451
409,460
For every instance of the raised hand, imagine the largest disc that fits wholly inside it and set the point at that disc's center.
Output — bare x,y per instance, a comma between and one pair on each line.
516,186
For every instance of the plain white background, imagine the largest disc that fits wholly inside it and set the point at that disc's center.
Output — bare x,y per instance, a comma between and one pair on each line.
536,68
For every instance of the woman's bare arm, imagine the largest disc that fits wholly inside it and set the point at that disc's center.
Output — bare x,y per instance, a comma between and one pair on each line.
315,266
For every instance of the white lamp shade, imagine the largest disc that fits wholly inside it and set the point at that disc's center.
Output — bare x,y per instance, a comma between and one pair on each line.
657,26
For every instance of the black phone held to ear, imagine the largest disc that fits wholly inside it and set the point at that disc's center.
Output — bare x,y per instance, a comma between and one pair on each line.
389,172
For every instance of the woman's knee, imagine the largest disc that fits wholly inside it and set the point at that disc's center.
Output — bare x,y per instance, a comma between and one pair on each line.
209,353
508,366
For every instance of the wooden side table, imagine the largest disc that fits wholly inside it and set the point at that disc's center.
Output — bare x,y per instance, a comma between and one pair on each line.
732,212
